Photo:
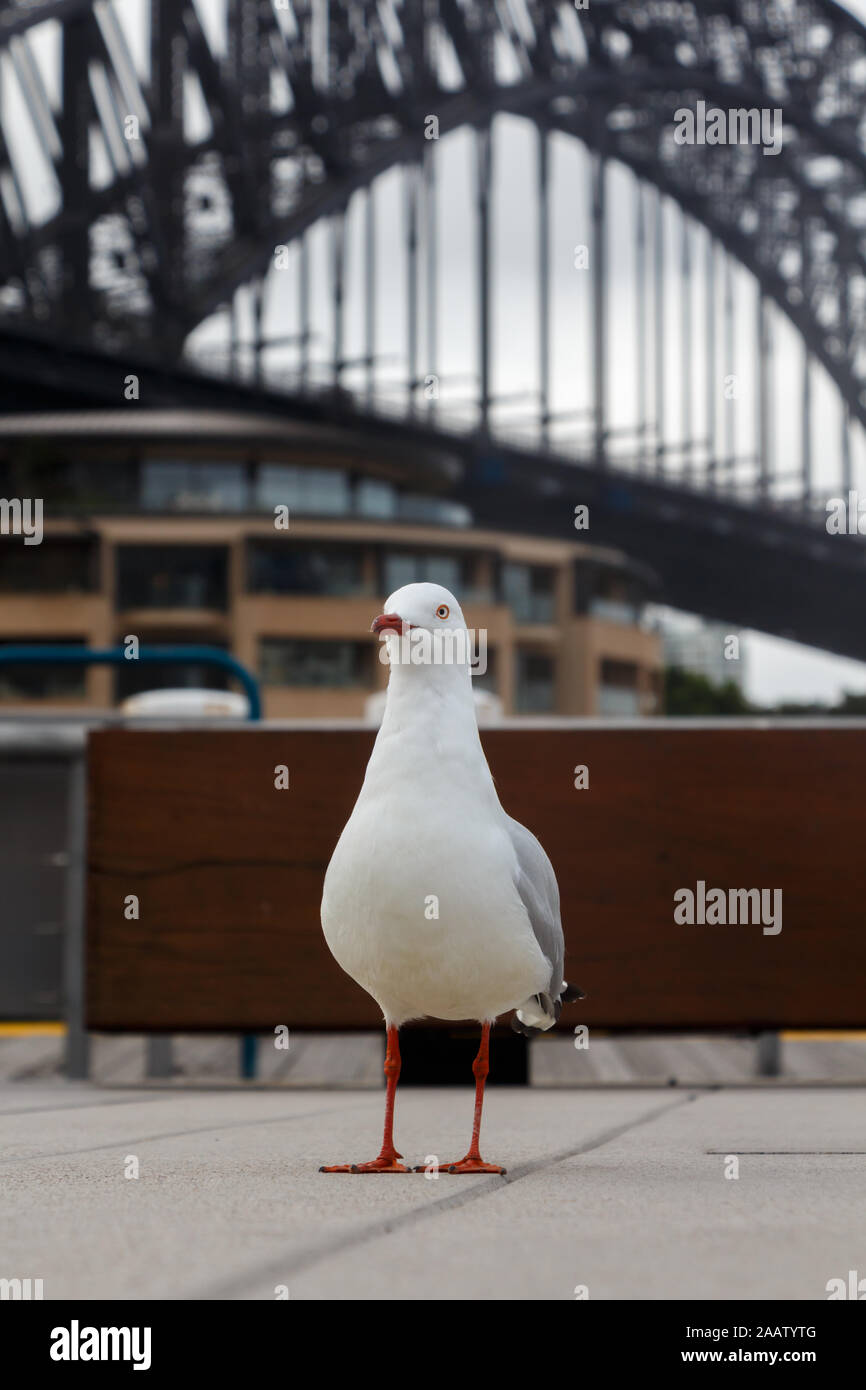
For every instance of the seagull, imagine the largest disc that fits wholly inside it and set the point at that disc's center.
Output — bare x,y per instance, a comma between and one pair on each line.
435,900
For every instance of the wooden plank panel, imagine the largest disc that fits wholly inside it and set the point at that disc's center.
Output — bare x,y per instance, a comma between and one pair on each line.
228,871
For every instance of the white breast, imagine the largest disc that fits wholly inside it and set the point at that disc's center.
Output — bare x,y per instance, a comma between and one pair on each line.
419,903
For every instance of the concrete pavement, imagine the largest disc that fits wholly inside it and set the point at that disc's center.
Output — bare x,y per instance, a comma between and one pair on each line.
623,1191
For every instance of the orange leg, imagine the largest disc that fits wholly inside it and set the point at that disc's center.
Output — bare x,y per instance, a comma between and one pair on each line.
387,1160
473,1162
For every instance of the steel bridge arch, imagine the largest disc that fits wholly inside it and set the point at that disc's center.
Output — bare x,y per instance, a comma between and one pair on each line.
796,221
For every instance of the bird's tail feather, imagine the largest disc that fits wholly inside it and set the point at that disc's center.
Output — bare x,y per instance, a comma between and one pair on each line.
571,992
538,1014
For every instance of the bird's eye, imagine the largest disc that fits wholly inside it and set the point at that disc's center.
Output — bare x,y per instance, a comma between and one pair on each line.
443,610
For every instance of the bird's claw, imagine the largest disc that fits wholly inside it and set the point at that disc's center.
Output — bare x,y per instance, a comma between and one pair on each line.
463,1165
388,1164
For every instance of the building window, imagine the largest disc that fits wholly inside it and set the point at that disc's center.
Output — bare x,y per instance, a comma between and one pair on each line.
535,686
46,682
437,511
172,576
618,693
168,485
297,661
608,610
57,566
375,498
310,491
529,592
73,485
607,595
280,567
415,567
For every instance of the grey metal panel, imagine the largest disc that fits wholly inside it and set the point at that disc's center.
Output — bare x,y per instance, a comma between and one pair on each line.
77,1041
33,865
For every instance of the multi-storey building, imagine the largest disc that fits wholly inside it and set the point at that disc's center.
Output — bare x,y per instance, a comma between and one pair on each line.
169,526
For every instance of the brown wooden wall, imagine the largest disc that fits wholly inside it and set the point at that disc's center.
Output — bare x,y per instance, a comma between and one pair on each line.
228,871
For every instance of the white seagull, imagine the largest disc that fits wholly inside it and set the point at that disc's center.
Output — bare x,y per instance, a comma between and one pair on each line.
435,901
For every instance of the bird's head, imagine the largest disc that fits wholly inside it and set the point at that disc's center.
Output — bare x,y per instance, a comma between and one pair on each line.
425,606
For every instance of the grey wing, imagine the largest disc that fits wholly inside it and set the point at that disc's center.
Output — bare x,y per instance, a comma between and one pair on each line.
539,892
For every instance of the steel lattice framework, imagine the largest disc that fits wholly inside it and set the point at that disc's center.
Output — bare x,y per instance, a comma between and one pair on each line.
313,99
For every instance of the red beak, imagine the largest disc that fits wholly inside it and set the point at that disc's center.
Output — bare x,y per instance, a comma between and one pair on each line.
387,622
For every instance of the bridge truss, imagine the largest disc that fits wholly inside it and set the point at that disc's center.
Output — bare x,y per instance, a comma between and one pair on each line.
157,160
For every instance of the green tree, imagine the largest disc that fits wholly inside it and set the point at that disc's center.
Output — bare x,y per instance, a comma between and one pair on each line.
687,693
851,703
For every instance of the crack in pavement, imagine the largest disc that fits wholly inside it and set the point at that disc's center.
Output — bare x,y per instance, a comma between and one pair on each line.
62,1109
312,1255
172,1134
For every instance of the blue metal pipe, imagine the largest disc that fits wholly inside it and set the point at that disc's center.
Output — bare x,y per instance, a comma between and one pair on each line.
117,656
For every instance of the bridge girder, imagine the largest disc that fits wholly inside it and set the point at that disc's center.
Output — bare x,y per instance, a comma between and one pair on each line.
179,224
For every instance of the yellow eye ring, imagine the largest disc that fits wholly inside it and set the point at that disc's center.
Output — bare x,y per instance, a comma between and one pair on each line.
443,611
